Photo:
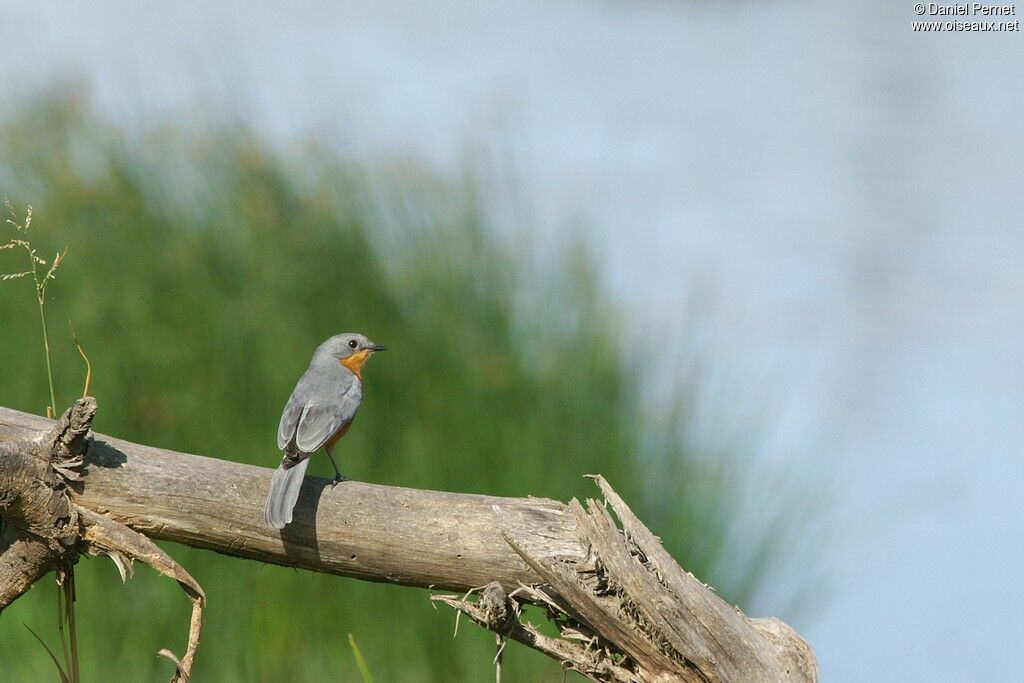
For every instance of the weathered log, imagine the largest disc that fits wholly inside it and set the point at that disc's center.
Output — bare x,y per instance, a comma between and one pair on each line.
625,609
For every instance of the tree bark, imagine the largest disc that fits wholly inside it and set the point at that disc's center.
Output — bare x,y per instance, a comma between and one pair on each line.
23,561
626,611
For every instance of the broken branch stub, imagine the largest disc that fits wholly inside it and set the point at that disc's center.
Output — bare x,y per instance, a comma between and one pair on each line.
628,613
43,529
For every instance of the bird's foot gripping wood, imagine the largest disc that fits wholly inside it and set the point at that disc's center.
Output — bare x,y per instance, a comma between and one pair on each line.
338,476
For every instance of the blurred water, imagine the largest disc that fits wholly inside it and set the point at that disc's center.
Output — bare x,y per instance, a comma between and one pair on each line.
849,191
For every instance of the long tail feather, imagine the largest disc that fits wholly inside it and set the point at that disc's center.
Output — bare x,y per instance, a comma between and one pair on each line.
284,492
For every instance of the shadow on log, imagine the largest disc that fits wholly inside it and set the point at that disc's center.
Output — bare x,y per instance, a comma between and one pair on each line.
625,611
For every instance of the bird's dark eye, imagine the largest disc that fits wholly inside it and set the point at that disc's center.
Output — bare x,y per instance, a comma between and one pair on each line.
352,343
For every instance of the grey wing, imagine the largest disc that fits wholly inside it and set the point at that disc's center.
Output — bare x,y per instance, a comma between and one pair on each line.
323,397
290,419
322,420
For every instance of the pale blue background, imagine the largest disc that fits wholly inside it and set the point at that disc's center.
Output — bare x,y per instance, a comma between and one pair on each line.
845,193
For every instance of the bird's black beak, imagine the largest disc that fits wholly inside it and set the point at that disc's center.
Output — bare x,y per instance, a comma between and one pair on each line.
378,347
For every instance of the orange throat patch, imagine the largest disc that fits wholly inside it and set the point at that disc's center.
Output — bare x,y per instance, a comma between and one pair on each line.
355,362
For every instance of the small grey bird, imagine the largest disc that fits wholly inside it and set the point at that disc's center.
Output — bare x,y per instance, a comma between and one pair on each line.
320,411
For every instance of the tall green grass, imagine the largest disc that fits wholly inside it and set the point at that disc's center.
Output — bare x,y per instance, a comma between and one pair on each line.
202,271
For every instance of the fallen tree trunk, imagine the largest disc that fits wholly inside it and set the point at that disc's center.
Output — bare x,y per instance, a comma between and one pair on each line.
625,610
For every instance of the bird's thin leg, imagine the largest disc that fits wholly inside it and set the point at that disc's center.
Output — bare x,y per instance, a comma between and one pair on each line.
338,476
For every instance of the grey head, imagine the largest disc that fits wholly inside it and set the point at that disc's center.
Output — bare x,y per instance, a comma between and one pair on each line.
348,345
